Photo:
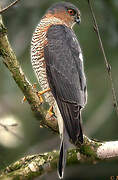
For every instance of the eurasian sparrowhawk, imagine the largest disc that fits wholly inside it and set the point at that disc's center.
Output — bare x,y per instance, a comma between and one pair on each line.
57,60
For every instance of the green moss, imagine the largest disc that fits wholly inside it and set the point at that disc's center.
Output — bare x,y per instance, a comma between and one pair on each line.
2,52
72,156
3,30
53,159
88,151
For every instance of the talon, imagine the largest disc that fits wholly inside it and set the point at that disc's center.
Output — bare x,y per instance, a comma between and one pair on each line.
38,93
40,98
24,99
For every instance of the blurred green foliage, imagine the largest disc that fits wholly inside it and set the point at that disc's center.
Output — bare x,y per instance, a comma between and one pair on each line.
99,117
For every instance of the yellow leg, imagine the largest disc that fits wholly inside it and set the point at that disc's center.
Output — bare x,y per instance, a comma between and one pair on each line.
42,92
50,111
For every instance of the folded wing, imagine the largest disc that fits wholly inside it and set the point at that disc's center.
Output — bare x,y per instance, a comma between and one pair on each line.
66,77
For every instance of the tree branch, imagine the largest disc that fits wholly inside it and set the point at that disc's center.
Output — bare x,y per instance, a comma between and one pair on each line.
39,164
6,8
36,165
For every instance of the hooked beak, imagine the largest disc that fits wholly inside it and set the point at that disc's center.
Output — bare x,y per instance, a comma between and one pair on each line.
78,19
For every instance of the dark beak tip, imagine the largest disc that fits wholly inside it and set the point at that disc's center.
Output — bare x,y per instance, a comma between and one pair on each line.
78,20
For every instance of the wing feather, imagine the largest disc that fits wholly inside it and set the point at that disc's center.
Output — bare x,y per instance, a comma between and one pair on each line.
66,77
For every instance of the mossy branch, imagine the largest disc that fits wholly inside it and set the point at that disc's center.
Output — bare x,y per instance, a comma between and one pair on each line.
36,165
39,164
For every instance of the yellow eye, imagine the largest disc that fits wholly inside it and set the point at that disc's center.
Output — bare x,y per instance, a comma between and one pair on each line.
71,12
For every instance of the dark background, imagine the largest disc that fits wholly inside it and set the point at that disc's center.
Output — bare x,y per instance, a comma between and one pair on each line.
99,117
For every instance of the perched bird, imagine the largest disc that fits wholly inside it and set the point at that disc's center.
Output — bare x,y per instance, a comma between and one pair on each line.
57,60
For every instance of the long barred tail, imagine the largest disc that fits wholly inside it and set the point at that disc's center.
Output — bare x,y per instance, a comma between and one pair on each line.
65,144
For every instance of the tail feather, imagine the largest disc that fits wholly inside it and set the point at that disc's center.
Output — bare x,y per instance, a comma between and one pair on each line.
62,160
80,135
71,114
72,130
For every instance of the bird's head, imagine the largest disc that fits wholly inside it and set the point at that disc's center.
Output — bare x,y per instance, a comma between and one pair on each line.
66,12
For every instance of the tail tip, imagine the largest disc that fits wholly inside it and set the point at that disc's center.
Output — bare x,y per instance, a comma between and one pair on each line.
60,174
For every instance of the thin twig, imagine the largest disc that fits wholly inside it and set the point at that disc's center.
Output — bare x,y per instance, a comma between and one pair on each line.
108,66
6,8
